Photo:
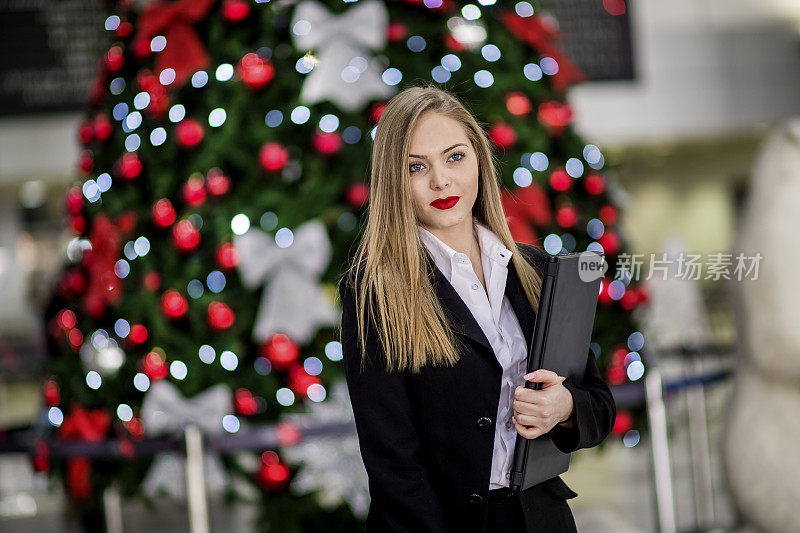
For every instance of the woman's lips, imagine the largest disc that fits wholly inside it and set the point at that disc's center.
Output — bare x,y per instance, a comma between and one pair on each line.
446,203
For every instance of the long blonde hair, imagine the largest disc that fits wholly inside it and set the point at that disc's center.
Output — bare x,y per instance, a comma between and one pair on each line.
393,270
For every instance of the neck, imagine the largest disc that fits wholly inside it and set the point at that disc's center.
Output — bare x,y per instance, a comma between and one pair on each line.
460,238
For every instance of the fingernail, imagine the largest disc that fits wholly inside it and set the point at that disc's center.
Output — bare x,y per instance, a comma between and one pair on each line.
530,375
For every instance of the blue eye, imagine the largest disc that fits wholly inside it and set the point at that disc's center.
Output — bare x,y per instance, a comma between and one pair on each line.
461,154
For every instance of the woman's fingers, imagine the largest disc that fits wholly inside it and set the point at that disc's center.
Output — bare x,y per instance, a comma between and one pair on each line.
528,420
528,433
543,410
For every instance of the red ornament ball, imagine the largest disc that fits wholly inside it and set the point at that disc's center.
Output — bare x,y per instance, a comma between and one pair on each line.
594,184
554,116
610,242
608,215
152,281
357,194
140,47
397,31
102,127
503,135
85,131
518,103
618,355
114,58
138,334
630,299
567,216
220,316
281,351
163,213
128,167
194,191
74,200
273,156
560,180
86,161
51,392
185,236
244,402
189,133
274,478
217,183
154,365
255,71
124,29
227,256
173,304
623,423
326,143
75,338
616,375
300,380
66,319
235,11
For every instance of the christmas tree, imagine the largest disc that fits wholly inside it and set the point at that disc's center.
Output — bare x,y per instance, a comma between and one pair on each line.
219,191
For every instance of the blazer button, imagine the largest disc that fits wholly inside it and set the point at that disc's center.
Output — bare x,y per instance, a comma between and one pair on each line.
485,423
475,499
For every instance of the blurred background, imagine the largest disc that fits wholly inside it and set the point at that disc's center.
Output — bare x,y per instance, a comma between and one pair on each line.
182,182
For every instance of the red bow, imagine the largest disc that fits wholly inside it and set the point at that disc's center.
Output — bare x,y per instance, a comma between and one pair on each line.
91,426
184,51
540,36
105,287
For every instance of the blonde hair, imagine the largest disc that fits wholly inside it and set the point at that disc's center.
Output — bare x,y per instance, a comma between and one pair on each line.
390,259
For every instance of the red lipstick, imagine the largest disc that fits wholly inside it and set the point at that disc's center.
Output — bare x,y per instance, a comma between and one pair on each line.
445,203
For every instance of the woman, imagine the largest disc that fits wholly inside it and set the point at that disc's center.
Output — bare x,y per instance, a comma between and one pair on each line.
447,301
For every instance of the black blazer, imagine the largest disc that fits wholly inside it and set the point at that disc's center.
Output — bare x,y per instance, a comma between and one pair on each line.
425,440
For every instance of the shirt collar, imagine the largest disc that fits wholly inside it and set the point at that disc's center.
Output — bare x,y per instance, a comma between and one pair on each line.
444,256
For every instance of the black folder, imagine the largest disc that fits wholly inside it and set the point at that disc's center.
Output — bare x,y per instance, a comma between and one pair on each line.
561,337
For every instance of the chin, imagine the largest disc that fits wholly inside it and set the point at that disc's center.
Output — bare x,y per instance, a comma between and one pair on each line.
445,220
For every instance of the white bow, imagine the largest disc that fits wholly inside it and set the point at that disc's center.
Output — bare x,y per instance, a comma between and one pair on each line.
292,302
339,40
166,411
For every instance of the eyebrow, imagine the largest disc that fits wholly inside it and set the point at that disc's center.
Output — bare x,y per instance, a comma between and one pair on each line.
443,151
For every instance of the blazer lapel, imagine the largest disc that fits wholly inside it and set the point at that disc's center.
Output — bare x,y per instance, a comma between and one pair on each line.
461,319
519,302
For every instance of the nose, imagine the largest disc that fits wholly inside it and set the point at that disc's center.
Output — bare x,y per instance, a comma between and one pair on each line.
438,179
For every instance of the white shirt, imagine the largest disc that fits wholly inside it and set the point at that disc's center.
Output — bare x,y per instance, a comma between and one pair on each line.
496,317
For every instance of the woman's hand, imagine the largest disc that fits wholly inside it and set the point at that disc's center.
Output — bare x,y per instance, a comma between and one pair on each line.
537,411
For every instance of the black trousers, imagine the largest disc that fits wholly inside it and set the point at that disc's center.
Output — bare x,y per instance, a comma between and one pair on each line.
534,510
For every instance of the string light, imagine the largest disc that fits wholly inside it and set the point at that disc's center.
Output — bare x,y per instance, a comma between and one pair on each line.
199,79
206,354
224,72
333,351
284,396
